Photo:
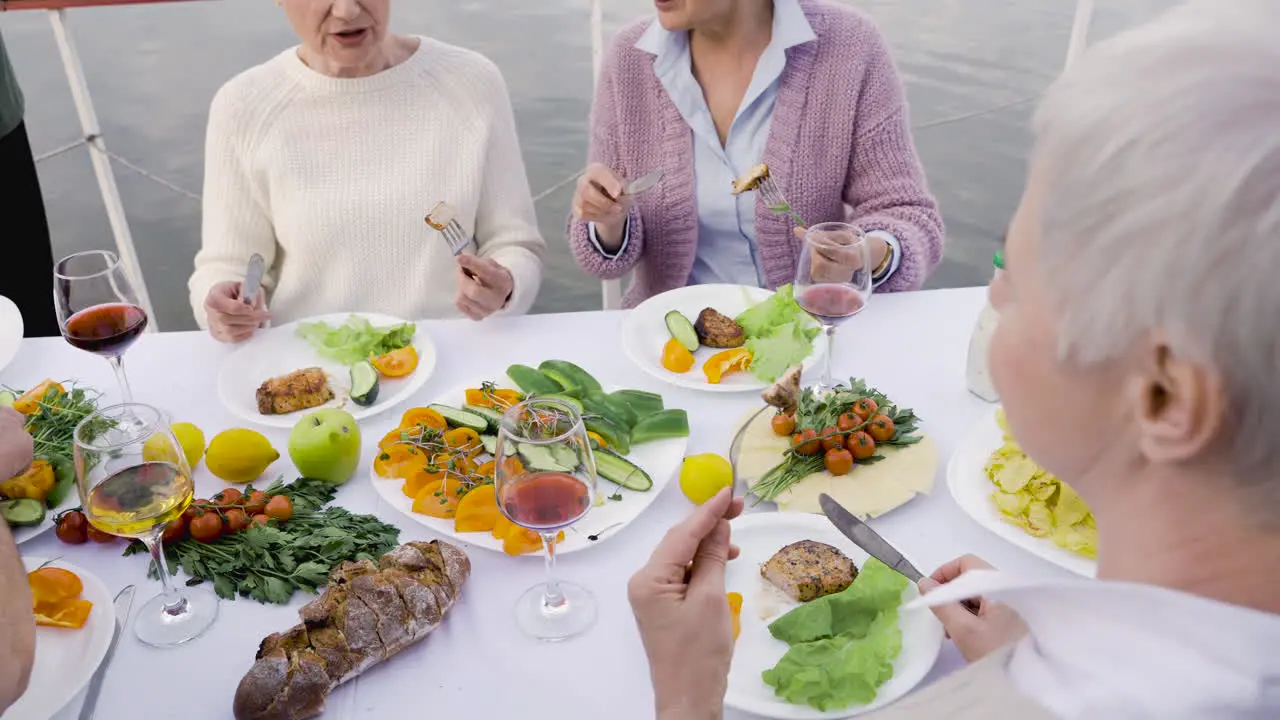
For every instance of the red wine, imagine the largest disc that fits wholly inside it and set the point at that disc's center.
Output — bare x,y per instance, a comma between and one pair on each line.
831,304
106,329
545,500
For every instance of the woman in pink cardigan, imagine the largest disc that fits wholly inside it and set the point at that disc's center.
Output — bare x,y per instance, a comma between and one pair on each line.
715,87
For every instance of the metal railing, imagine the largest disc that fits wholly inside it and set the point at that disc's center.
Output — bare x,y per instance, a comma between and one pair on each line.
610,290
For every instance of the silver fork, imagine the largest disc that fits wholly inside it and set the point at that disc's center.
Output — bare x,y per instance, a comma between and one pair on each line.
452,232
775,201
736,446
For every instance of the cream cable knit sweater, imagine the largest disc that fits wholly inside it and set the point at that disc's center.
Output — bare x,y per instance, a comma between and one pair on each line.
330,179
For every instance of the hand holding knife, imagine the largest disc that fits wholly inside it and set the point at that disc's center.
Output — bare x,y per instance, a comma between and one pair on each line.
252,280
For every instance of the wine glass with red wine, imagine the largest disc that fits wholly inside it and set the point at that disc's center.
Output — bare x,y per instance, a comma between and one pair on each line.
545,478
833,281
98,308
133,481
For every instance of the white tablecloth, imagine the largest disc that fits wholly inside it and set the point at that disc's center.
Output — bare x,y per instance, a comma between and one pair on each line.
477,664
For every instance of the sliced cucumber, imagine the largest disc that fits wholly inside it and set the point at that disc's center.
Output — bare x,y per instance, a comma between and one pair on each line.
615,437
681,328
532,381
493,417
364,383
540,457
621,471
570,376
642,403
661,426
490,443
564,455
457,418
22,512
8,398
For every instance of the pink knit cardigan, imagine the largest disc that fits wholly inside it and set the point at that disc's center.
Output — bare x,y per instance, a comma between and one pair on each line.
839,147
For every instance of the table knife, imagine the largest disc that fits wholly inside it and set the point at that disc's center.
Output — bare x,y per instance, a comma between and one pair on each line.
639,185
123,603
252,280
871,543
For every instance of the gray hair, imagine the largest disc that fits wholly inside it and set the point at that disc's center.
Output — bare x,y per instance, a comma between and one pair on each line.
1159,158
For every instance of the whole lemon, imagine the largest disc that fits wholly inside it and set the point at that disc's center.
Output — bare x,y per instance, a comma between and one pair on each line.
159,448
239,455
702,476
192,440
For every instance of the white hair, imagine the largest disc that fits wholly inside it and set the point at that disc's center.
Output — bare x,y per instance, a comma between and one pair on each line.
1159,158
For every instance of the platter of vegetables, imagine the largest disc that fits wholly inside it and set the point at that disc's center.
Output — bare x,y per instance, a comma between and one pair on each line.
437,466
854,444
369,362
30,500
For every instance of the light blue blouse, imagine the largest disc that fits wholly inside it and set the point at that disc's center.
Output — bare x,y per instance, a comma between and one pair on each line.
726,251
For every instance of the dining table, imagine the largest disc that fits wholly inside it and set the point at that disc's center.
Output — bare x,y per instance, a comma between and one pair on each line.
478,664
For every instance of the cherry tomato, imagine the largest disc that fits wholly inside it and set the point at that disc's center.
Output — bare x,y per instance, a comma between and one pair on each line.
397,363
848,421
806,442
72,527
861,445
206,527
881,428
176,530
97,535
195,508
256,502
865,408
230,496
831,438
280,508
236,520
838,461
260,519
783,424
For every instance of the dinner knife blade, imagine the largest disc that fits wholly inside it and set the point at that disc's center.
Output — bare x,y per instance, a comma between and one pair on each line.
635,187
877,547
252,280
864,537
123,603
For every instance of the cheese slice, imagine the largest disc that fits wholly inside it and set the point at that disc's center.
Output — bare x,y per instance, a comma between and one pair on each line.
868,491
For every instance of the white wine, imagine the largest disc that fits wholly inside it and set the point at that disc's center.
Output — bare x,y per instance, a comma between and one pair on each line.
137,500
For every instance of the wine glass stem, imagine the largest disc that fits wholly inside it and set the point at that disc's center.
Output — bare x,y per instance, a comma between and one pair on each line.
552,598
117,364
174,602
830,330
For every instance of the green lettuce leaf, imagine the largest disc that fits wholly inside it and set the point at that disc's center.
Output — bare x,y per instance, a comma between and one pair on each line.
779,334
842,645
355,340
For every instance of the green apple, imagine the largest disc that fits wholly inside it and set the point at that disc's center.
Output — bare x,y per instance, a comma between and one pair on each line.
326,445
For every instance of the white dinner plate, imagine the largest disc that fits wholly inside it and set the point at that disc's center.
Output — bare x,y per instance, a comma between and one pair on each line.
644,333
66,659
23,534
280,351
760,535
11,329
661,459
969,485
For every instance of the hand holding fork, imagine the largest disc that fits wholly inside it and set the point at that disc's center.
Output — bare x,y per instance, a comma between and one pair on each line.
604,198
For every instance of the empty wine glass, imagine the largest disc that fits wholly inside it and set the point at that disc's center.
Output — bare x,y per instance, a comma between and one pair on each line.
133,480
545,478
98,308
833,281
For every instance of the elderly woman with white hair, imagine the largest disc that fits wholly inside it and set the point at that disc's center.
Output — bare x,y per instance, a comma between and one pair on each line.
1138,313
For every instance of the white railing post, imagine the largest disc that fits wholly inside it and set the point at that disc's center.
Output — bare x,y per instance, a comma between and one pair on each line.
610,290
101,161
1079,31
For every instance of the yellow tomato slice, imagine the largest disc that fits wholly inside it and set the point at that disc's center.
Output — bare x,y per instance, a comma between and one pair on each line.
397,363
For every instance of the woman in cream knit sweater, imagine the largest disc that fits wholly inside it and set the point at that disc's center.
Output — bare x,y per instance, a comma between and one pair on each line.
325,160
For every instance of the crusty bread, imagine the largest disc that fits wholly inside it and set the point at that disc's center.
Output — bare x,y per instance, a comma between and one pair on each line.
367,613
751,180
299,390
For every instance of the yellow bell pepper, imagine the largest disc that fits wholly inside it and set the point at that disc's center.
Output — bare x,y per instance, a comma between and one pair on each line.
477,511
725,362
35,482
29,402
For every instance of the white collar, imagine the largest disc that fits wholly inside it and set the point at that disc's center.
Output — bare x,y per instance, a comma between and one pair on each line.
1101,649
790,28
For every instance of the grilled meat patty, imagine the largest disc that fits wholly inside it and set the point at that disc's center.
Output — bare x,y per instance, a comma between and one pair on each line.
299,390
808,570
718,331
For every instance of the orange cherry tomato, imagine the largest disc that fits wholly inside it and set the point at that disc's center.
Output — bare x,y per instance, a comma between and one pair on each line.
848,421
861,445
676,357
783,424
806,442
279,508
838,461
423,416
397,363
831,438
881,428
865,408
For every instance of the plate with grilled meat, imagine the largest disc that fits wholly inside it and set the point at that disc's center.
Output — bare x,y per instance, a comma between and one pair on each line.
691,337
824,629
280,375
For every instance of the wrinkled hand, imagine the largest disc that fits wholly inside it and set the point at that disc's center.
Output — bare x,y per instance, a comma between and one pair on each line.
679,602
485,290
835,261
599,199
230,319
16,445
995,625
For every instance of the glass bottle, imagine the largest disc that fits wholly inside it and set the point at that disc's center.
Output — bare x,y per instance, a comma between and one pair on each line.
978,373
